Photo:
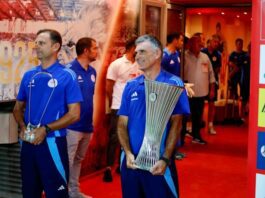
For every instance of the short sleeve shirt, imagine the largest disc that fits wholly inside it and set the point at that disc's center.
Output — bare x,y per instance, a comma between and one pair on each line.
199,71
51,89
171,62
134,107
121,70
215,59
86,80
239,59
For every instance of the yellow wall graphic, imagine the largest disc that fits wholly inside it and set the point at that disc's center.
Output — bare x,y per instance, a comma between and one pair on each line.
261,115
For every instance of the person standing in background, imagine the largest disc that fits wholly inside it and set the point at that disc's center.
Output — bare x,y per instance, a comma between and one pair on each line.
171,63
171,54
238,60
119,72
79,133
198,70
216,61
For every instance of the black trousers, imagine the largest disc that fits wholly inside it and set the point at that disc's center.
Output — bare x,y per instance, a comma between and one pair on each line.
113,138
196,107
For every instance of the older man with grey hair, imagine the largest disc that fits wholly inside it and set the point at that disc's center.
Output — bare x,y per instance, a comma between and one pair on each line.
198,70
161,180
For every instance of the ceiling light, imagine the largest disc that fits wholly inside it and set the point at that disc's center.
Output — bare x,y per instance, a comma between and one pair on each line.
199,13
222,13
245,13
237,16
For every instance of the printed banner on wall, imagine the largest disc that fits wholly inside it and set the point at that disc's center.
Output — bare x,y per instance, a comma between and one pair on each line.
262,64
261,110
76,19
261,151
260,190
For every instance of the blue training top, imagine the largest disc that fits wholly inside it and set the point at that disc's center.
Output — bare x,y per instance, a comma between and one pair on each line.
216,60
133,105
86,80
240,59
171,62
66,91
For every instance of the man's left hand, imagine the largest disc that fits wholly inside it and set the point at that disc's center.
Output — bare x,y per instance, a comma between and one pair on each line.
159,168
40,134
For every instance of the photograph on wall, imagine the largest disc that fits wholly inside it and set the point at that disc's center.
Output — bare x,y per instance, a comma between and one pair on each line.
261,110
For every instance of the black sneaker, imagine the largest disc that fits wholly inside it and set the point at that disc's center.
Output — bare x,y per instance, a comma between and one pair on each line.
107,176
198,141
118,170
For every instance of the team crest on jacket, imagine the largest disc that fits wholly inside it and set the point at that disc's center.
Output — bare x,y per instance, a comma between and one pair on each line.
52,83
93,78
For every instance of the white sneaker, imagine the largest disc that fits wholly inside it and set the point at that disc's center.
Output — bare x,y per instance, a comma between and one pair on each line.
212,131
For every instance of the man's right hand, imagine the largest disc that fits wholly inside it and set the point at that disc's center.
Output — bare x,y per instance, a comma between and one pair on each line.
22,133
130,161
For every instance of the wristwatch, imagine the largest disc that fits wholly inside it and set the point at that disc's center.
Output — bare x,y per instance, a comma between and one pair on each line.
166,160
47,128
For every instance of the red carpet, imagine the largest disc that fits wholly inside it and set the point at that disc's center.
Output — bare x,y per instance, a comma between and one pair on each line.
215,170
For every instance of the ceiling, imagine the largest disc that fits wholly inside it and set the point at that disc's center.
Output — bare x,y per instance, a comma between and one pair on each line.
47,10
51,10
242,13
211,3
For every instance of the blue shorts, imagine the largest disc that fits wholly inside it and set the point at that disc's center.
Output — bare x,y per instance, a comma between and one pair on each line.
45,167
142,184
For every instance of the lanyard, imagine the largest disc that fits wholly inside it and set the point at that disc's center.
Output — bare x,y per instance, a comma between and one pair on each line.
30,87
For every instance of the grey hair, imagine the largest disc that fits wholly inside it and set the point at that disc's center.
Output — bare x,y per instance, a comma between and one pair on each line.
152,39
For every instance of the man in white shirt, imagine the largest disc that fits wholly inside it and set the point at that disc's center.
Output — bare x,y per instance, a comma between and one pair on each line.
198,70
119,72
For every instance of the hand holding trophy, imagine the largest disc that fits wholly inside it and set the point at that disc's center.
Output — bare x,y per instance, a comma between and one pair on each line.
29,134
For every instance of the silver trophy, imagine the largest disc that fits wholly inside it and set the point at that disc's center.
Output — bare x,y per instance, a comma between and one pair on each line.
45,78
28,135
161,99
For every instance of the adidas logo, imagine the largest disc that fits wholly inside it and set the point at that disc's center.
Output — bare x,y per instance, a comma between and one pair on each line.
31,83
79,77
134,94
61,188
171,62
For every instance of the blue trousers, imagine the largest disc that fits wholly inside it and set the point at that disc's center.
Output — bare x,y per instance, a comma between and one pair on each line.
45,168
142,184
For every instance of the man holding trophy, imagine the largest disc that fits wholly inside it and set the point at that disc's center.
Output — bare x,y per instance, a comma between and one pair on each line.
47,102
149,125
